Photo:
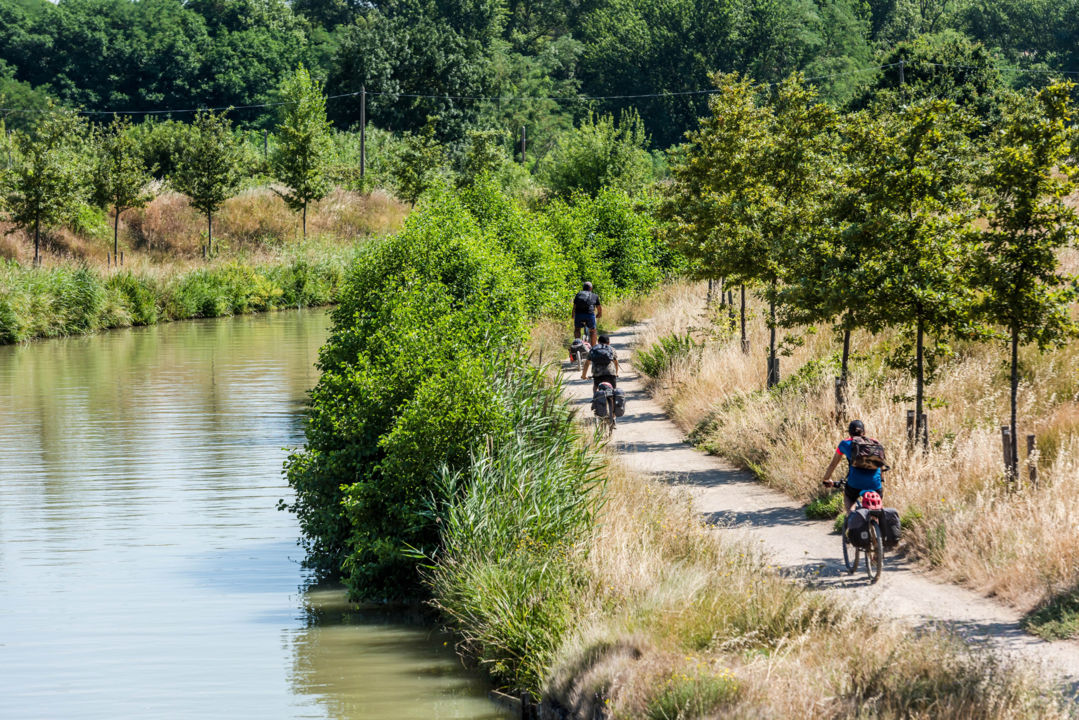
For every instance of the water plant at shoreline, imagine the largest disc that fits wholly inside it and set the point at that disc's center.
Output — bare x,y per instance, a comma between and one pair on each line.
57,301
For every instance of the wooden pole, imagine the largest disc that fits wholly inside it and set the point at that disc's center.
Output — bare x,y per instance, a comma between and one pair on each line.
1006,440
910,428
745,340
1032,460
524,146
265,144
363,133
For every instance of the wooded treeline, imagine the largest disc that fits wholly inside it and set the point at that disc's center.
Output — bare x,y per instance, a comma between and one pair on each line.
156,55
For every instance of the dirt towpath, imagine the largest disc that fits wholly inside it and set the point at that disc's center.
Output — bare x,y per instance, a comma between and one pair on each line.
651,443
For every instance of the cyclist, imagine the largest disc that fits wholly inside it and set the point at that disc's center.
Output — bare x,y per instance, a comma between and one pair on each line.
604,363
859,480
586,308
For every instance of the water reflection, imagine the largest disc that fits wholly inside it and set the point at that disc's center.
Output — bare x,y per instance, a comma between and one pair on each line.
144,568
394,654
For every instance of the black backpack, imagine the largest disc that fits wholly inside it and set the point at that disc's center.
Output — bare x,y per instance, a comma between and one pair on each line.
584,303
601,356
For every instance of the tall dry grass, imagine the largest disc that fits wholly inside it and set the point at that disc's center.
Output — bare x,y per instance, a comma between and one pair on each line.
962,516
253,224
679,620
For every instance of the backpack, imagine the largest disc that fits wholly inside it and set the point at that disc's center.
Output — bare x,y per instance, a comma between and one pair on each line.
601,356
857,528
577,346
584,303
866,453
619,403
890,527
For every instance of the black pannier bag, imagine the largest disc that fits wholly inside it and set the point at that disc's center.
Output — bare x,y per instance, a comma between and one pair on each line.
619,403
890,527
599,400
858,528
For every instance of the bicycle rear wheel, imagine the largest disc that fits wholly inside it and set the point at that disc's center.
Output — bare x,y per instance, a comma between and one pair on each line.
850,553
610,412
874,554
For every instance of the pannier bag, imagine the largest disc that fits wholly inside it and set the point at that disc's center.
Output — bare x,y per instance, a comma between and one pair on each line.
619,403
858,528
866,453
577,346
890,527
599,399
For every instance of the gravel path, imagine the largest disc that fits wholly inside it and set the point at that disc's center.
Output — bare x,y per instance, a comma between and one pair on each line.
651,443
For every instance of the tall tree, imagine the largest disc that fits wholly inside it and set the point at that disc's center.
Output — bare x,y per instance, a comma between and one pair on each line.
303,143
209,167
715,179
1031,170
47,180
119,176
910,222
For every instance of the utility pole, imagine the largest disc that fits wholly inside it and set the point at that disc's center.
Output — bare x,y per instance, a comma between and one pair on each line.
265,144
524,147
363,133
902,75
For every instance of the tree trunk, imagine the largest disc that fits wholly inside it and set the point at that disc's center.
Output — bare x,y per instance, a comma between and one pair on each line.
730,310
305,221
745,343
209,234
846,357
919,420
1013,471
773,372
116,233
37,239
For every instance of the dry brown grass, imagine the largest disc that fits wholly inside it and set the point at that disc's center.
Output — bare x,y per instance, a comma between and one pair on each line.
964,518
254,223
680,616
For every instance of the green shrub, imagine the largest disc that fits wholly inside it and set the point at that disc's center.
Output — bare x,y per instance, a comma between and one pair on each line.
139,296
599,155
78,298
654,360
415,312
692,696
825,507
1057,619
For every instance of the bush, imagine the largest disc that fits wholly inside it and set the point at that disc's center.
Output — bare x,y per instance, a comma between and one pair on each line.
402,393
600,155
654,360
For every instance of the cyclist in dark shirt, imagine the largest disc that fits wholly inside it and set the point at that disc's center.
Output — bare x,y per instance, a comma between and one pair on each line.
604,363
586,308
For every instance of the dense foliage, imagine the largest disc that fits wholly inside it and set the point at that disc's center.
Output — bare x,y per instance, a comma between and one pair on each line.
414,373
479,64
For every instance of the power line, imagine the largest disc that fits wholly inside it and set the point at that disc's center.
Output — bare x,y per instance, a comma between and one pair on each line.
432,96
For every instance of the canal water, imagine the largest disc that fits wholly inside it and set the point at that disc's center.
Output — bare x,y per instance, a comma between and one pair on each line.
145,570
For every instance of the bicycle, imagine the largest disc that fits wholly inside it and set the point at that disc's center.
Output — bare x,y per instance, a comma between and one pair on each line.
578,352
874,550
609,422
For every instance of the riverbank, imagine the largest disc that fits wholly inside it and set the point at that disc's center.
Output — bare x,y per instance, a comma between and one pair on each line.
74,299
962,518
258,263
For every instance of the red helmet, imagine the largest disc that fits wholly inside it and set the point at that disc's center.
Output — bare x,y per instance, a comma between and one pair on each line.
871,501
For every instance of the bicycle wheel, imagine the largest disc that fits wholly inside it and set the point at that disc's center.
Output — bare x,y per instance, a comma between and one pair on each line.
610,412
850,553
874,554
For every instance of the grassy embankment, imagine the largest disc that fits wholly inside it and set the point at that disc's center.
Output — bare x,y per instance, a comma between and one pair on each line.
260,264
467,480
960,514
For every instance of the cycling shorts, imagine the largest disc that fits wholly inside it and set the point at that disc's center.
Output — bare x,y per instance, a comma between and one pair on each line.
852,494
597,379
588,321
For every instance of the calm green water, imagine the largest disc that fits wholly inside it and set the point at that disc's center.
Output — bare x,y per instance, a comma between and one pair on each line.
145,571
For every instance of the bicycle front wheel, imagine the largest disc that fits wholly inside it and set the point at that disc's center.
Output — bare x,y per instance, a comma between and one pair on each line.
874,554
